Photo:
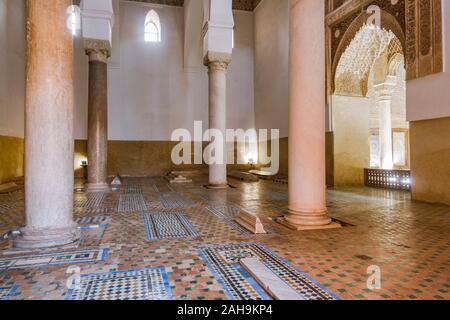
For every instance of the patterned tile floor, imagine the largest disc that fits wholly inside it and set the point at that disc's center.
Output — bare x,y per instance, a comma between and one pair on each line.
146,284
224,261
163,225
408,241
7,293
52,259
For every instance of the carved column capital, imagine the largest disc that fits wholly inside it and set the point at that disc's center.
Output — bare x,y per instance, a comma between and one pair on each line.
97,50
217,61
385,89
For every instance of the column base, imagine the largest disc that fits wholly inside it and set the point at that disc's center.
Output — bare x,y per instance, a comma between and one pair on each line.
98,187
46,238
218,186
301,221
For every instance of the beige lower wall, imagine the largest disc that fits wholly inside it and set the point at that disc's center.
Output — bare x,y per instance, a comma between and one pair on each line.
130,158
430,160
11,158
138,159
80,155
284,157
351,121
329,153
141,158
283,152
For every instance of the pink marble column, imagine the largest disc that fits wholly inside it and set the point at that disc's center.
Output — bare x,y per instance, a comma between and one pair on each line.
49,141
98,52
307,203
217,71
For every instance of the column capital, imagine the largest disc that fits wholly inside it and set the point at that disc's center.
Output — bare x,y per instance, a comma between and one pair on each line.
217,60
97,50
384,90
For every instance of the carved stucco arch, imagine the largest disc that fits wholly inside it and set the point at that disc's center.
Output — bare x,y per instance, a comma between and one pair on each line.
371,49
388,22
396,62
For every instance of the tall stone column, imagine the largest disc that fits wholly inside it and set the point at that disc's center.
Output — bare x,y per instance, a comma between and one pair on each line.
98,52
384,99
49,141
307,203
217,70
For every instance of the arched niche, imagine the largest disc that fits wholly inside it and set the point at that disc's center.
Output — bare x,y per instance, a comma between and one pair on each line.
370,47
388,22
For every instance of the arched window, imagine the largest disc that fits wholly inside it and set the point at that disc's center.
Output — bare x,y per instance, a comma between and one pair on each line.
74,19
152,27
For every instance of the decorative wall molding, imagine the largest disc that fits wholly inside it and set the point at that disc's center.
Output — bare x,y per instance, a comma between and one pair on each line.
424,54
416,23
360,57
245,5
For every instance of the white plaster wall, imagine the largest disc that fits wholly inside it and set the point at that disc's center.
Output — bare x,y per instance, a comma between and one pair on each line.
193,41
12,75
12,67
150,92
240,95
271,65
429,97
81,77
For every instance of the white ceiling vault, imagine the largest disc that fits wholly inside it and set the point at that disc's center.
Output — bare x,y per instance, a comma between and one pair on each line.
246,5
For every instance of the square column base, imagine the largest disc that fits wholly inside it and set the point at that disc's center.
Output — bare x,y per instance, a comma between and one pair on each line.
284,222
12,251
34,238
98,187
218,186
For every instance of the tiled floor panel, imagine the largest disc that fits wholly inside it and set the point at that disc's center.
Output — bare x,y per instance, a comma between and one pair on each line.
224,260
132,203
7,293
146,284
55,258
94,220
174,201
160,225
228,214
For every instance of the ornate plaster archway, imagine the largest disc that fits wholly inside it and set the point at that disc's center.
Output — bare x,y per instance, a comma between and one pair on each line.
369,44
388,22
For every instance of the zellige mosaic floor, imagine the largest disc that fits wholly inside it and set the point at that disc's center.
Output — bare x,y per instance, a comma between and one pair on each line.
153,240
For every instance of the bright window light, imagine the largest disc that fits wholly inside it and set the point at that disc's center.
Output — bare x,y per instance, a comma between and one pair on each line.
232,39
74,19
152,32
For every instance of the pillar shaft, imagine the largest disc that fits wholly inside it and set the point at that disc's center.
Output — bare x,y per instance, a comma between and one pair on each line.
49,142
384,99
97,117
386,154
307,205
217,71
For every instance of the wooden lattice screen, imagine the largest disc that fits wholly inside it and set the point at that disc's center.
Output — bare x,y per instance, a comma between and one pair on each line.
388,179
